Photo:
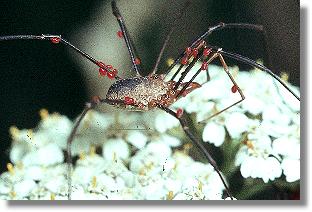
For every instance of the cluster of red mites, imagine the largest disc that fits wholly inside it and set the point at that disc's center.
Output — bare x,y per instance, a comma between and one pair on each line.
103,70
194,52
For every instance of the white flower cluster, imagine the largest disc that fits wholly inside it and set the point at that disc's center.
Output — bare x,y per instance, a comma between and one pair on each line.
134,164
266,124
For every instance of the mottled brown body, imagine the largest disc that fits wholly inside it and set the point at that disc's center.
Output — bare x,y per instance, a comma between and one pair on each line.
145,93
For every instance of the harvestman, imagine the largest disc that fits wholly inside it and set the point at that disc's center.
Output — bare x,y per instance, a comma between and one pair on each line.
149,92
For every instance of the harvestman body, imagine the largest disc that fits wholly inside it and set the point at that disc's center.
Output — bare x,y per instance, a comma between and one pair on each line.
152,91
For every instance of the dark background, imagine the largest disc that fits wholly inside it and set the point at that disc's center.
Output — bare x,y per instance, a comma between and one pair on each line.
37,74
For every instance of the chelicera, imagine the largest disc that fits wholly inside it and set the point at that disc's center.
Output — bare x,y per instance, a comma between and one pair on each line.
155,90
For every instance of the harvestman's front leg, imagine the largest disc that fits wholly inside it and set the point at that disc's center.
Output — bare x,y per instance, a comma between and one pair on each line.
199,145
135,60
56,39
96,100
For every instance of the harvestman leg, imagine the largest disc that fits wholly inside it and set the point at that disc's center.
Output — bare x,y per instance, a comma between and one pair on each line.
56,39
230,54
211,30
253,64
199,145
70,139
225,68
96,100
131,49
234,88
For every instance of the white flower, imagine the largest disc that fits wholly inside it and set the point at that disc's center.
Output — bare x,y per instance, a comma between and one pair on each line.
258,167
164,121
34,172
159,149
129,178
154,191
214,133
137,139
4,187
115,148
56,184
205,111
105,183
50,154
96,121
275,115
253,105
291,169
169,140
53,128
18,151
24,188
255,160
287,146
236,123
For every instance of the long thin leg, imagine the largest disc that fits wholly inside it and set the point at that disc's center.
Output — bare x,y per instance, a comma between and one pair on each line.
90,105
131,49
232,55
213,29
199,50
234,89
70,139
186,71
57,39
199,145
226,69
195,75
254,64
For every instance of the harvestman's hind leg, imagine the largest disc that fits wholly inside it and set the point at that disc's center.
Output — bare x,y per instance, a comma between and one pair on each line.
199,145
234,89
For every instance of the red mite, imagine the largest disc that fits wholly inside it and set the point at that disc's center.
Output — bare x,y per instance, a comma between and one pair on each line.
137,61
120,34
179,112
102,71
234,89
55,40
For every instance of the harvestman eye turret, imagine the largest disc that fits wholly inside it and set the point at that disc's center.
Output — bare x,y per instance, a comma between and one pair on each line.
151,92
